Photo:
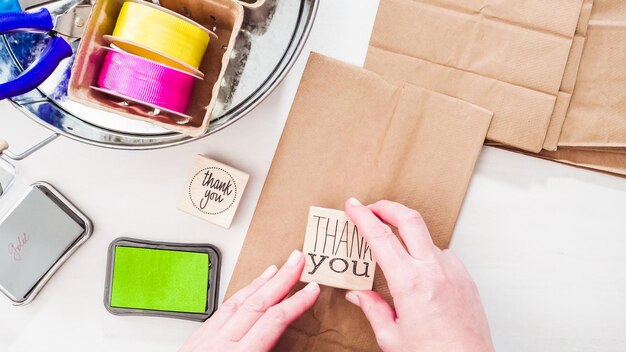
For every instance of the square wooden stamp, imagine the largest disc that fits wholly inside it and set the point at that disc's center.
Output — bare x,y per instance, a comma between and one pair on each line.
335,253
213,191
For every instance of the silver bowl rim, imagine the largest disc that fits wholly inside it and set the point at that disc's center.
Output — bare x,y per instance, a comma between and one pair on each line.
256,98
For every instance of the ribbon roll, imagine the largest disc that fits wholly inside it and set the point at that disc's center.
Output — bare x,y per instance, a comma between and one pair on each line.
146,81
160,35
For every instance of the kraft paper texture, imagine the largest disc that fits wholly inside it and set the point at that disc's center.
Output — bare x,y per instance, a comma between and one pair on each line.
594,132
493,53
607,160
596,117
521,116
572,66
609,10
350,133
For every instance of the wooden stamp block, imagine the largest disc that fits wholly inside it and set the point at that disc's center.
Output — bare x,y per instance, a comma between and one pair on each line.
213,191
335,253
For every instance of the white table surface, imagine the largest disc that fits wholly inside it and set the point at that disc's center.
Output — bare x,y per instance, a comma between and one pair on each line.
544,242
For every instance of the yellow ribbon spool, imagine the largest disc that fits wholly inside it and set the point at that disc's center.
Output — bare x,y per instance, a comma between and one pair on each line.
160,35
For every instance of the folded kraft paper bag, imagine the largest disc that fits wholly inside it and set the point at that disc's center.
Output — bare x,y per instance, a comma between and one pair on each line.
564,97
351,132
596,117
507,56
608,161
568,83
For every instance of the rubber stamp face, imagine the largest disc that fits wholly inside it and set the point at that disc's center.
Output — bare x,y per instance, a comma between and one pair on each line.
336,254
213,191
220,190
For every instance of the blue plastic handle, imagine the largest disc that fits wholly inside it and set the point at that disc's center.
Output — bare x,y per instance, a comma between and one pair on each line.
10,6
57,50
39,20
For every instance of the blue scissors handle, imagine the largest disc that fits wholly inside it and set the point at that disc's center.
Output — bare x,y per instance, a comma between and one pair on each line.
57,50
39,21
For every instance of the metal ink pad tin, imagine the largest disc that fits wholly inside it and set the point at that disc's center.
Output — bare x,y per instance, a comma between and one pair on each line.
37,236
162,279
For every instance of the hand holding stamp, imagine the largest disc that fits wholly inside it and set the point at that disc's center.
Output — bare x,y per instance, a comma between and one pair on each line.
335,253
431,289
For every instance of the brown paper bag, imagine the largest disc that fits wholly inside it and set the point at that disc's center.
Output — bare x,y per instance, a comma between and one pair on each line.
564,97
573,63
507,56
525,45
559,113
607,161
598,149
521,115
351,132
606,11
596,114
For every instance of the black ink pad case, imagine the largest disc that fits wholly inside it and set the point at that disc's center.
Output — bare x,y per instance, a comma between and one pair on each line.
37,236
162,279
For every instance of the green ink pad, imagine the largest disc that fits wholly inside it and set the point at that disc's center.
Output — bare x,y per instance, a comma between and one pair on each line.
162,279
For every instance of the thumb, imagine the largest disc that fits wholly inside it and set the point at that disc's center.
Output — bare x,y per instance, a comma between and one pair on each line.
379,313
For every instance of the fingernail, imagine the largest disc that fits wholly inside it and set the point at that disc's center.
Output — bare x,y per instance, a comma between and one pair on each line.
354,201
312,287
294,258
269,272
353,298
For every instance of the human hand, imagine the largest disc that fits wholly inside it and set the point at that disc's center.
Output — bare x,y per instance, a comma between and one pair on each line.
254,318
437,305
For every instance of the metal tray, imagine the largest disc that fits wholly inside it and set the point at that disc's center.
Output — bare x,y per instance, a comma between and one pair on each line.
271,38
65,205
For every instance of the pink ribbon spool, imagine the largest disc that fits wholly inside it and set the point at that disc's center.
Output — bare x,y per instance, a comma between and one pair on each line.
146,81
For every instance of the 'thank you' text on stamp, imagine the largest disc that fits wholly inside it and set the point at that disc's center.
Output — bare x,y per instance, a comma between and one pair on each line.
213,191
335,253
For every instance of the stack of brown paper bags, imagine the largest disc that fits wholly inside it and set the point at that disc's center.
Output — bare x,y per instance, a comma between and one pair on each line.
593,133
597,114
517,59
551,71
